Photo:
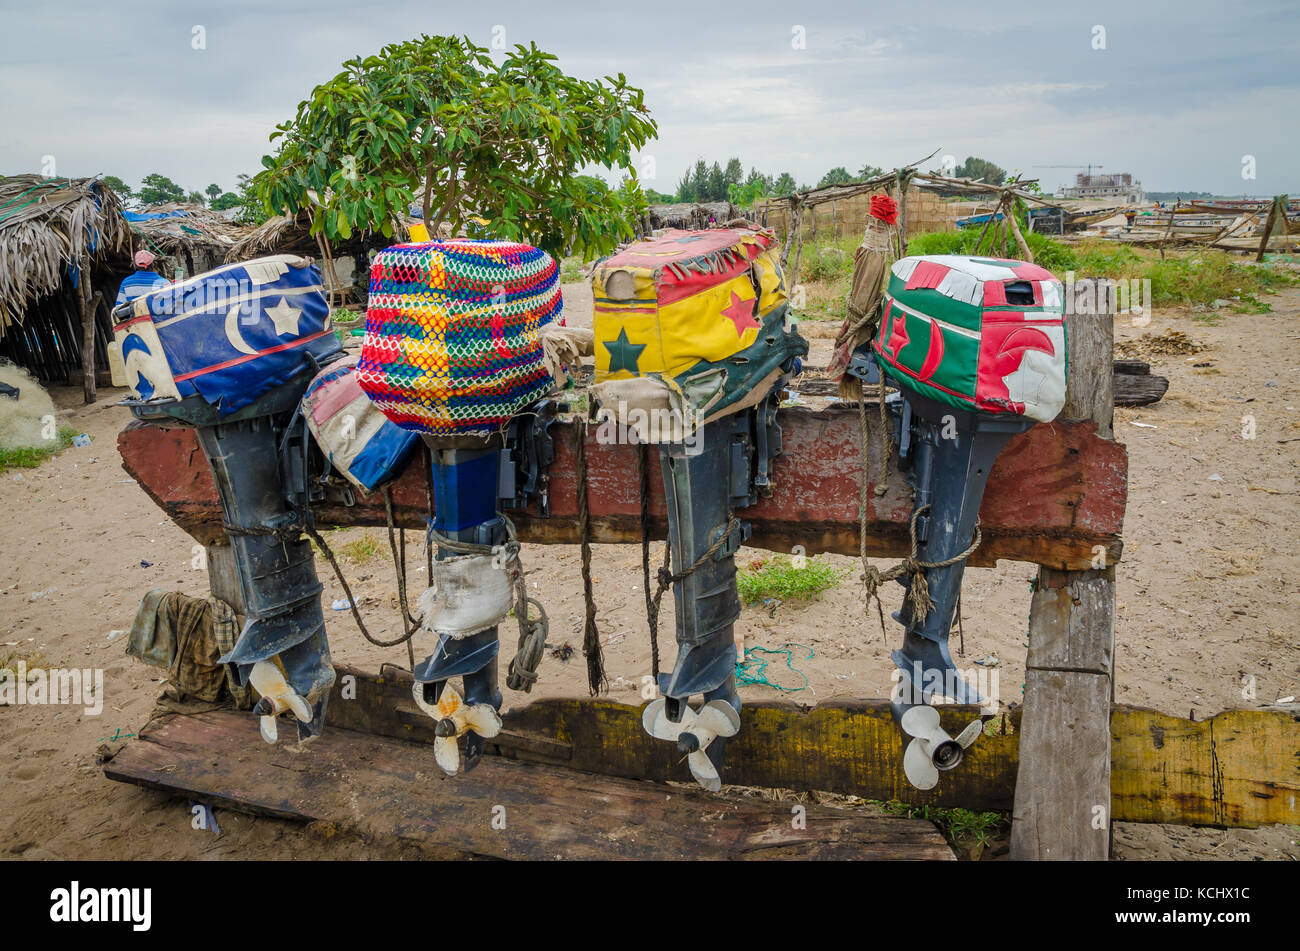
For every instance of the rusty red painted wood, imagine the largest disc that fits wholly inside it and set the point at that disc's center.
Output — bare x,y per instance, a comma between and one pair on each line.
1055,493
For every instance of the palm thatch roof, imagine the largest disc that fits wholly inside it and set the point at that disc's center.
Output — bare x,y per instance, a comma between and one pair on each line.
692,216
47,226
189,226
291,234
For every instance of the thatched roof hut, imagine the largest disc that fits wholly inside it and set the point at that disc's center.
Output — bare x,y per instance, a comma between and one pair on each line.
692,216
60,240
186,237
291,234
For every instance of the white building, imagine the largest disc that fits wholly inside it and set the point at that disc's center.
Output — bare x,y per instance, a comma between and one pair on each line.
1115,188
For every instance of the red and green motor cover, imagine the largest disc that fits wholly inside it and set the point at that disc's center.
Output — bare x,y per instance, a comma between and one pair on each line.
976,333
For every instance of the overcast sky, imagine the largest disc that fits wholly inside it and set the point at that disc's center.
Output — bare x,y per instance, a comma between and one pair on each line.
1179,96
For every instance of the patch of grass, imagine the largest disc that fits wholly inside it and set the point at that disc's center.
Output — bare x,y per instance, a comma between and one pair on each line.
29,457
964,829
570,272
1047,252
360,550
778,577
33,658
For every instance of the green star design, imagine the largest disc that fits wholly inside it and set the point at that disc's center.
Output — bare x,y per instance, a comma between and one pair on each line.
623,355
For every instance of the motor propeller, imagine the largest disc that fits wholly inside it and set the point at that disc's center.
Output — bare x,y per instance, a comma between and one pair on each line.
693,734
276,697
932,749
454,718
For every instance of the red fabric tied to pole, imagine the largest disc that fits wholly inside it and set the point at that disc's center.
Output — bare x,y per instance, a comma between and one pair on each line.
884,208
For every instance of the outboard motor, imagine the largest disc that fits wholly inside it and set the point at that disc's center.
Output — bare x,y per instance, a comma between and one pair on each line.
692,353
453,351
976,348
231,353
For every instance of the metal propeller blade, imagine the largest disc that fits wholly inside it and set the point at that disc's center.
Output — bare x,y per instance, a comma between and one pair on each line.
455,718
276,697
932,749
693,734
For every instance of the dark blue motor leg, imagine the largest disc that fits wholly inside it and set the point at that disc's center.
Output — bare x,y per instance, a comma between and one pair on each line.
465,498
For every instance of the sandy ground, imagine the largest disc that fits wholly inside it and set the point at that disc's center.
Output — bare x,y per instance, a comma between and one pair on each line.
1207,596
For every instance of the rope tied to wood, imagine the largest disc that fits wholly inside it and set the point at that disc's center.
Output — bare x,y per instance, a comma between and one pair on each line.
651,603
918,594
597,682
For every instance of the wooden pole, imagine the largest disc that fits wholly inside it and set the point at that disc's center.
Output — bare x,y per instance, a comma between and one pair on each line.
1015,230
87,329
1268,229
1062,806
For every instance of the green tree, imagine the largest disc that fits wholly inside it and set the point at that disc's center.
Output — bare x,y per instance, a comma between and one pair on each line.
978,168
734,173
784,185
435,122
226,200
716,189
214,191
156,189
868,172
122,189
196,198
836,176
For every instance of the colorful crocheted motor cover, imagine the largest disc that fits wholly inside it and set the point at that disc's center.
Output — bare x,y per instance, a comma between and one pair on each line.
976,333
453,333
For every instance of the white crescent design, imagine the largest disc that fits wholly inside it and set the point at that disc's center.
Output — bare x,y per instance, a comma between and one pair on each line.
232,332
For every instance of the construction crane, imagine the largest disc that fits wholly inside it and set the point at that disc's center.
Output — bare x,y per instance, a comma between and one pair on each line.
1089,167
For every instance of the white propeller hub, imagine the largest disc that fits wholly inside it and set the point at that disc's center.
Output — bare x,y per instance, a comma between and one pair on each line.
268,680
700,728
932,749
455,718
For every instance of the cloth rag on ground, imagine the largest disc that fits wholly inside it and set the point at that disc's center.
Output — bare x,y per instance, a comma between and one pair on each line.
186,636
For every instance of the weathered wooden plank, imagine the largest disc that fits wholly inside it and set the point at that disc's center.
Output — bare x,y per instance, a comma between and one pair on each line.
1139,390
849,746
386,788
1237,768
1055,493
1062,806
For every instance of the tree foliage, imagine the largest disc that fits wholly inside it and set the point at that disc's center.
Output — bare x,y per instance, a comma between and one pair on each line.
434,122
225,201
156,189
122,189
839,175
978,168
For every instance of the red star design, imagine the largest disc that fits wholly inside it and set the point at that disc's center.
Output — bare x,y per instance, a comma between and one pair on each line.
898,339
741,313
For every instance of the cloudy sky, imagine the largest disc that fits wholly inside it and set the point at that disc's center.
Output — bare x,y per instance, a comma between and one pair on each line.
1180,95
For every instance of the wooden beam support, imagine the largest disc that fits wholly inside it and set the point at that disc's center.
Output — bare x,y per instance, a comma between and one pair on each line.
1056,492
1235,769
504,809
1063,807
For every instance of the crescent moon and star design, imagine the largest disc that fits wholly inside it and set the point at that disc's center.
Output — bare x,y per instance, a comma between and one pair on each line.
284,316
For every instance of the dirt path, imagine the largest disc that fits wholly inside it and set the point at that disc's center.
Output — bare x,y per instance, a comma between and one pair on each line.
1207,596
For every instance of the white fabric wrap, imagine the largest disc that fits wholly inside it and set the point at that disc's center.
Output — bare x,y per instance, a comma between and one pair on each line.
468,595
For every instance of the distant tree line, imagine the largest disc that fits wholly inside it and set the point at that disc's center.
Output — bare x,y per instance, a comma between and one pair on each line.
716,182
158,189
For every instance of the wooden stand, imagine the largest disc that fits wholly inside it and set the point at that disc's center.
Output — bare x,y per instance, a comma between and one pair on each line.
1063,808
